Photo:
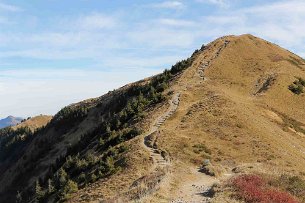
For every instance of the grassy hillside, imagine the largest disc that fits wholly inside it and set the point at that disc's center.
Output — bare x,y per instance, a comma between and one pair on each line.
242,116
237,115
34,122
83,143
226,121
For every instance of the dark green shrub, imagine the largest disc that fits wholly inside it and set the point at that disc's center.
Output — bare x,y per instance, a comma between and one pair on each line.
201,148
61,178
301,81
93,178
39,193
51,187
19,197
298,86
69,188
82,178
296,89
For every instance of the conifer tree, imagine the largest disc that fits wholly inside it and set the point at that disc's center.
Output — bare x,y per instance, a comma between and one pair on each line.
18,197
39,193
69,188
51,188
61,177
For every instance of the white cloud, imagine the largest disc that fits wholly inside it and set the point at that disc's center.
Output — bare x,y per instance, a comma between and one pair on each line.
165,33
79,37
221,20
169,5
139,62
129,47
82,38
220,3
10,8
95,21
45,54
176,22
279,22
288,7
162,37
85,40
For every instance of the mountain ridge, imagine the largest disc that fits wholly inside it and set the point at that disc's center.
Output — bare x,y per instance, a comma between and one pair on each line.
34,123
10,121
231,118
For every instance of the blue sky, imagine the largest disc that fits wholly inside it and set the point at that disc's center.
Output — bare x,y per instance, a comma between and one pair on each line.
53,53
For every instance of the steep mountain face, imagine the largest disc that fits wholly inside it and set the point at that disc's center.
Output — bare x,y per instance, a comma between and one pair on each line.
9,121
14,140
235,107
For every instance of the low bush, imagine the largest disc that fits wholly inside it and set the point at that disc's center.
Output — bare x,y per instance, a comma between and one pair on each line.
254,189
298,86
294,184
296,89
201,148
67,191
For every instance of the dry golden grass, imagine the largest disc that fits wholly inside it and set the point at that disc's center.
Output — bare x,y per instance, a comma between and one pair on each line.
35,122
242,112
226,114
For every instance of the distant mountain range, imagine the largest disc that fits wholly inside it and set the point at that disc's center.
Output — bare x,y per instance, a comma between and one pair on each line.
10,121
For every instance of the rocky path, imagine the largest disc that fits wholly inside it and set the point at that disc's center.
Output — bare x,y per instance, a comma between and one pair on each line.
206,63
155,155
196,188
149,183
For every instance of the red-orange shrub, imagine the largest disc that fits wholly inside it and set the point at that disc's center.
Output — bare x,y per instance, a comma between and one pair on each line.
275,196
253,189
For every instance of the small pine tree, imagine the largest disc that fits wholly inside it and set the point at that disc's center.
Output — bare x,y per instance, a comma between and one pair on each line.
110,164
93,178
51,188
118,123
82,178
62,177
141,99
108,129
122,115
152,93
129,109
18,197
134,103
39,193
69,188
101,141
